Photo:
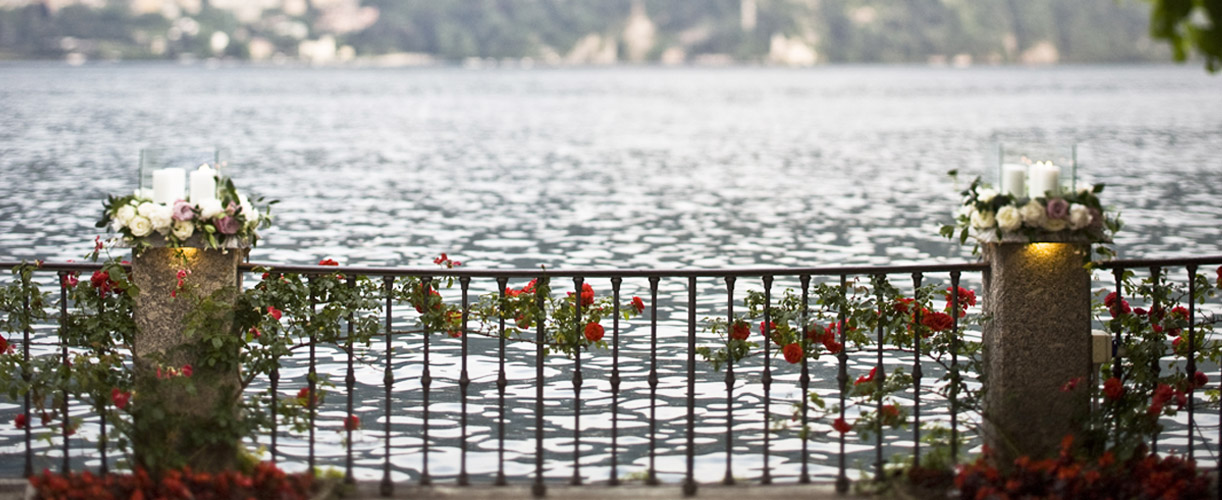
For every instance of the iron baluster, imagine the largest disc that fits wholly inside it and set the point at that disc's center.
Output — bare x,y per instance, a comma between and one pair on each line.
65,467
349,383
578,302
689,484
804,477
729,477
539,489
615,380
652,478
426,377
842,377
312,402
1192,357
954,369
387,487
501,381
464,381
881,374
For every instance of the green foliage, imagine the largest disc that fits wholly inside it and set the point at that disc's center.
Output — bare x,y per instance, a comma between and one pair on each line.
1191,27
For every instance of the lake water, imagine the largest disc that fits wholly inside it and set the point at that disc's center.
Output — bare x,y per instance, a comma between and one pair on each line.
601,168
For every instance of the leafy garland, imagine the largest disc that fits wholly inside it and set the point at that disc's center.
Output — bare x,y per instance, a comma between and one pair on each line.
231,220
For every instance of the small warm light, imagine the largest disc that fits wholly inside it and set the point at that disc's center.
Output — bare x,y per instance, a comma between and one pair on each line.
1046,250
187,252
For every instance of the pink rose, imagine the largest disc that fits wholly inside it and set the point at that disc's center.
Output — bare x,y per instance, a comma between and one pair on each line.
227,225
1058,208
183,211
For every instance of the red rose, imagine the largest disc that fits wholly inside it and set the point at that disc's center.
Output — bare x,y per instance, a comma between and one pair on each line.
594,332
275,313
903,305
530,287
328,262
1110,300
766,326
187,371
120,398
1112,388
833,346
740,330
937,321
891,411
4,347
867,378
1199,379
70,280
966,298
792,352
101,281
814,333
20,421
523,322
587,294
1120,309
303,398
352,422
432,293
841,426
638,305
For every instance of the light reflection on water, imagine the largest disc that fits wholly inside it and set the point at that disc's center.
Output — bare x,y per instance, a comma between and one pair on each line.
647,168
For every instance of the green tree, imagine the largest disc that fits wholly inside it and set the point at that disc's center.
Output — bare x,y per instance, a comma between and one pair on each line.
1189,26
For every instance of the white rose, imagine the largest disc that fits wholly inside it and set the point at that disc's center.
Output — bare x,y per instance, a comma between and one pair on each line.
982,220
124,214
1009,219
116,225
143,194
183,229
146,209
1033,214
1055,225
248,210
140,226
210,208
1079,216
162,217
986,195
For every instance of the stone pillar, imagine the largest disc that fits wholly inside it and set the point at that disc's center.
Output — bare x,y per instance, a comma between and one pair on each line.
190,413
1037,337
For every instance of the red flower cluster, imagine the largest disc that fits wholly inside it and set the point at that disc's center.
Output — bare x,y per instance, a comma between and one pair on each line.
793,352
120,398
103,284
829,338
937,321
171,372
20,420
594,332
1113,388
740,330
352,422
528,289
587,294
432,293
274,313
5,347
444,260
266,481
967,298
841,426
1117,308
70,280
1142,476
328,262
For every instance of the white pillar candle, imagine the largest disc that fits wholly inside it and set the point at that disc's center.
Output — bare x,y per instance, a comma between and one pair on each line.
1014,180
1052,179
168,185
203,185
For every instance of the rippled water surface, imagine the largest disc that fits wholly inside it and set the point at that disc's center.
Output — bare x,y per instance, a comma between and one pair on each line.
605,168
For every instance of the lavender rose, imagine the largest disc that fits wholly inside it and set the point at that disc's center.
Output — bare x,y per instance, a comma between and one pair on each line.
183,211
1058,208
227,225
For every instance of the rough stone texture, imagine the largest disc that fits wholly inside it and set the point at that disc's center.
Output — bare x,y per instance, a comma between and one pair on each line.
1038,337
160,324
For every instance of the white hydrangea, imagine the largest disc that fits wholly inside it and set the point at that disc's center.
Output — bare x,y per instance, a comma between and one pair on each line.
162,217
210,208
1079,216
140,226
183,229
1033,214
1009,219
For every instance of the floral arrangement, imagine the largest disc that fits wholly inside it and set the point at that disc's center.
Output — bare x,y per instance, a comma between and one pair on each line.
991,216
226,220
264,480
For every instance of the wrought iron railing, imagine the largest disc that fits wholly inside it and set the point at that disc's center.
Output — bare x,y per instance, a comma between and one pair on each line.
650,280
